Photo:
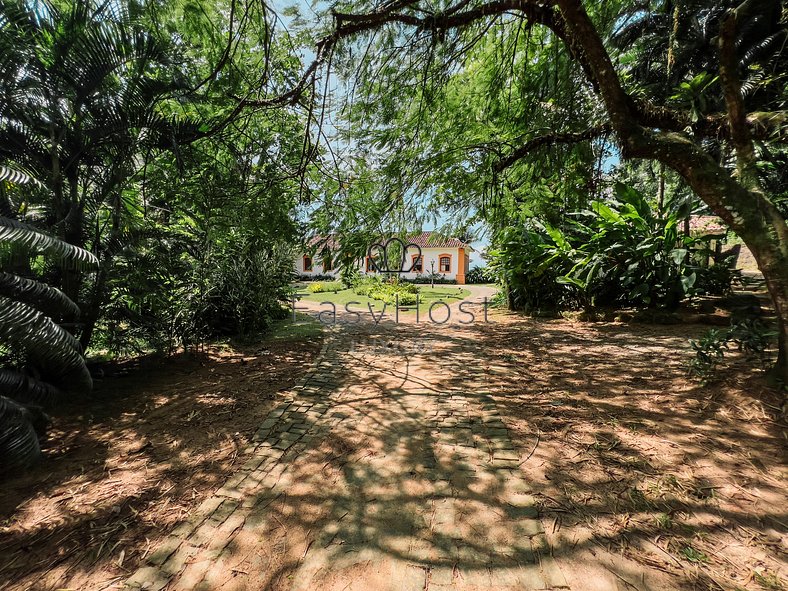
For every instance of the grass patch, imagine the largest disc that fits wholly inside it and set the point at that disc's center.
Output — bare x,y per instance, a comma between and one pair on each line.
427,296
305,327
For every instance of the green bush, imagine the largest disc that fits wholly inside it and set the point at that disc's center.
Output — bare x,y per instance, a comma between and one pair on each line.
404,287
367,284
435,278
388,296
387,292
620,252
480,275
325,287
715,279
530,273
407,299
752,336
249,288
709,352
350,276
309,277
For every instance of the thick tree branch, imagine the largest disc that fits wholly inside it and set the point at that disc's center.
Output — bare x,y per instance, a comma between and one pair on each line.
549,140
456,16
349,25
737,113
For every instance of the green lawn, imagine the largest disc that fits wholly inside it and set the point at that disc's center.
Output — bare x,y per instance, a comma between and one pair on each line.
305,327
427,296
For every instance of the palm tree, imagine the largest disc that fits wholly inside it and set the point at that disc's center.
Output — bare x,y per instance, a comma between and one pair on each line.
42,359
85,92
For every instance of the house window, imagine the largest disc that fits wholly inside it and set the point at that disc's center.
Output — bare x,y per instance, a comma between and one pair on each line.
417,264
444,263
370,267
327,265
307,264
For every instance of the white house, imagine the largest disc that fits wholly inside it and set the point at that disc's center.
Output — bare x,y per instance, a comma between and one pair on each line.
425,253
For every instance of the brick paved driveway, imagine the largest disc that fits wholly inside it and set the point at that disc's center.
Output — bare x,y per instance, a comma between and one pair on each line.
388,468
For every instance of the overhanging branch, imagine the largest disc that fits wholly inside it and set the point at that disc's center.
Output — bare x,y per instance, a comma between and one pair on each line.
549,140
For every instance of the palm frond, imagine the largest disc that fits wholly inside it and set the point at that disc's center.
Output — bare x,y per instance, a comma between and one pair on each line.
45,298
23,388
29,237
18,440
763,47
16,177
48,345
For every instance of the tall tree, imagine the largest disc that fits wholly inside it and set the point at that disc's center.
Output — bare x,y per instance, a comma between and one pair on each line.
647,125
82,86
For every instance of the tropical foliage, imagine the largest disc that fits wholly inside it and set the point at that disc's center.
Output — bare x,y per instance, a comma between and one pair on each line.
141,211
516,114
619,252
158,160
42,360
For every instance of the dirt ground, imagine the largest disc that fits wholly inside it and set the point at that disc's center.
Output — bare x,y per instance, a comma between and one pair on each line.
644,478
154,440
640,471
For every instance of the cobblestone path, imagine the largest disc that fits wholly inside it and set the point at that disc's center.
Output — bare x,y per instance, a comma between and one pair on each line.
388,468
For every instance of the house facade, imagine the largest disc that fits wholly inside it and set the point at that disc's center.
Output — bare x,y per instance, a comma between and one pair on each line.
426,254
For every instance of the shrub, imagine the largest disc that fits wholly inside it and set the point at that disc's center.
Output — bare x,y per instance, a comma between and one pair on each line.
249,288
752,336
350,276
480,275
620,253
367,284
325,287
715,279
388,292
407,299
405,287
435,278
404,298
315,277
709,352
529,272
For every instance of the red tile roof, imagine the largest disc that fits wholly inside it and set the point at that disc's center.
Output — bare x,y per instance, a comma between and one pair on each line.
434,240
330,241
422,240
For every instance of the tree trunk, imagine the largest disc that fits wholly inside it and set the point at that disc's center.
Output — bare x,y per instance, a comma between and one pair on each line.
738,201
92,309
775,271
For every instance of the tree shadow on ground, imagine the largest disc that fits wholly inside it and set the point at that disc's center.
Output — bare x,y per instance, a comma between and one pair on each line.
634,470
639,472
136,456
633,456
